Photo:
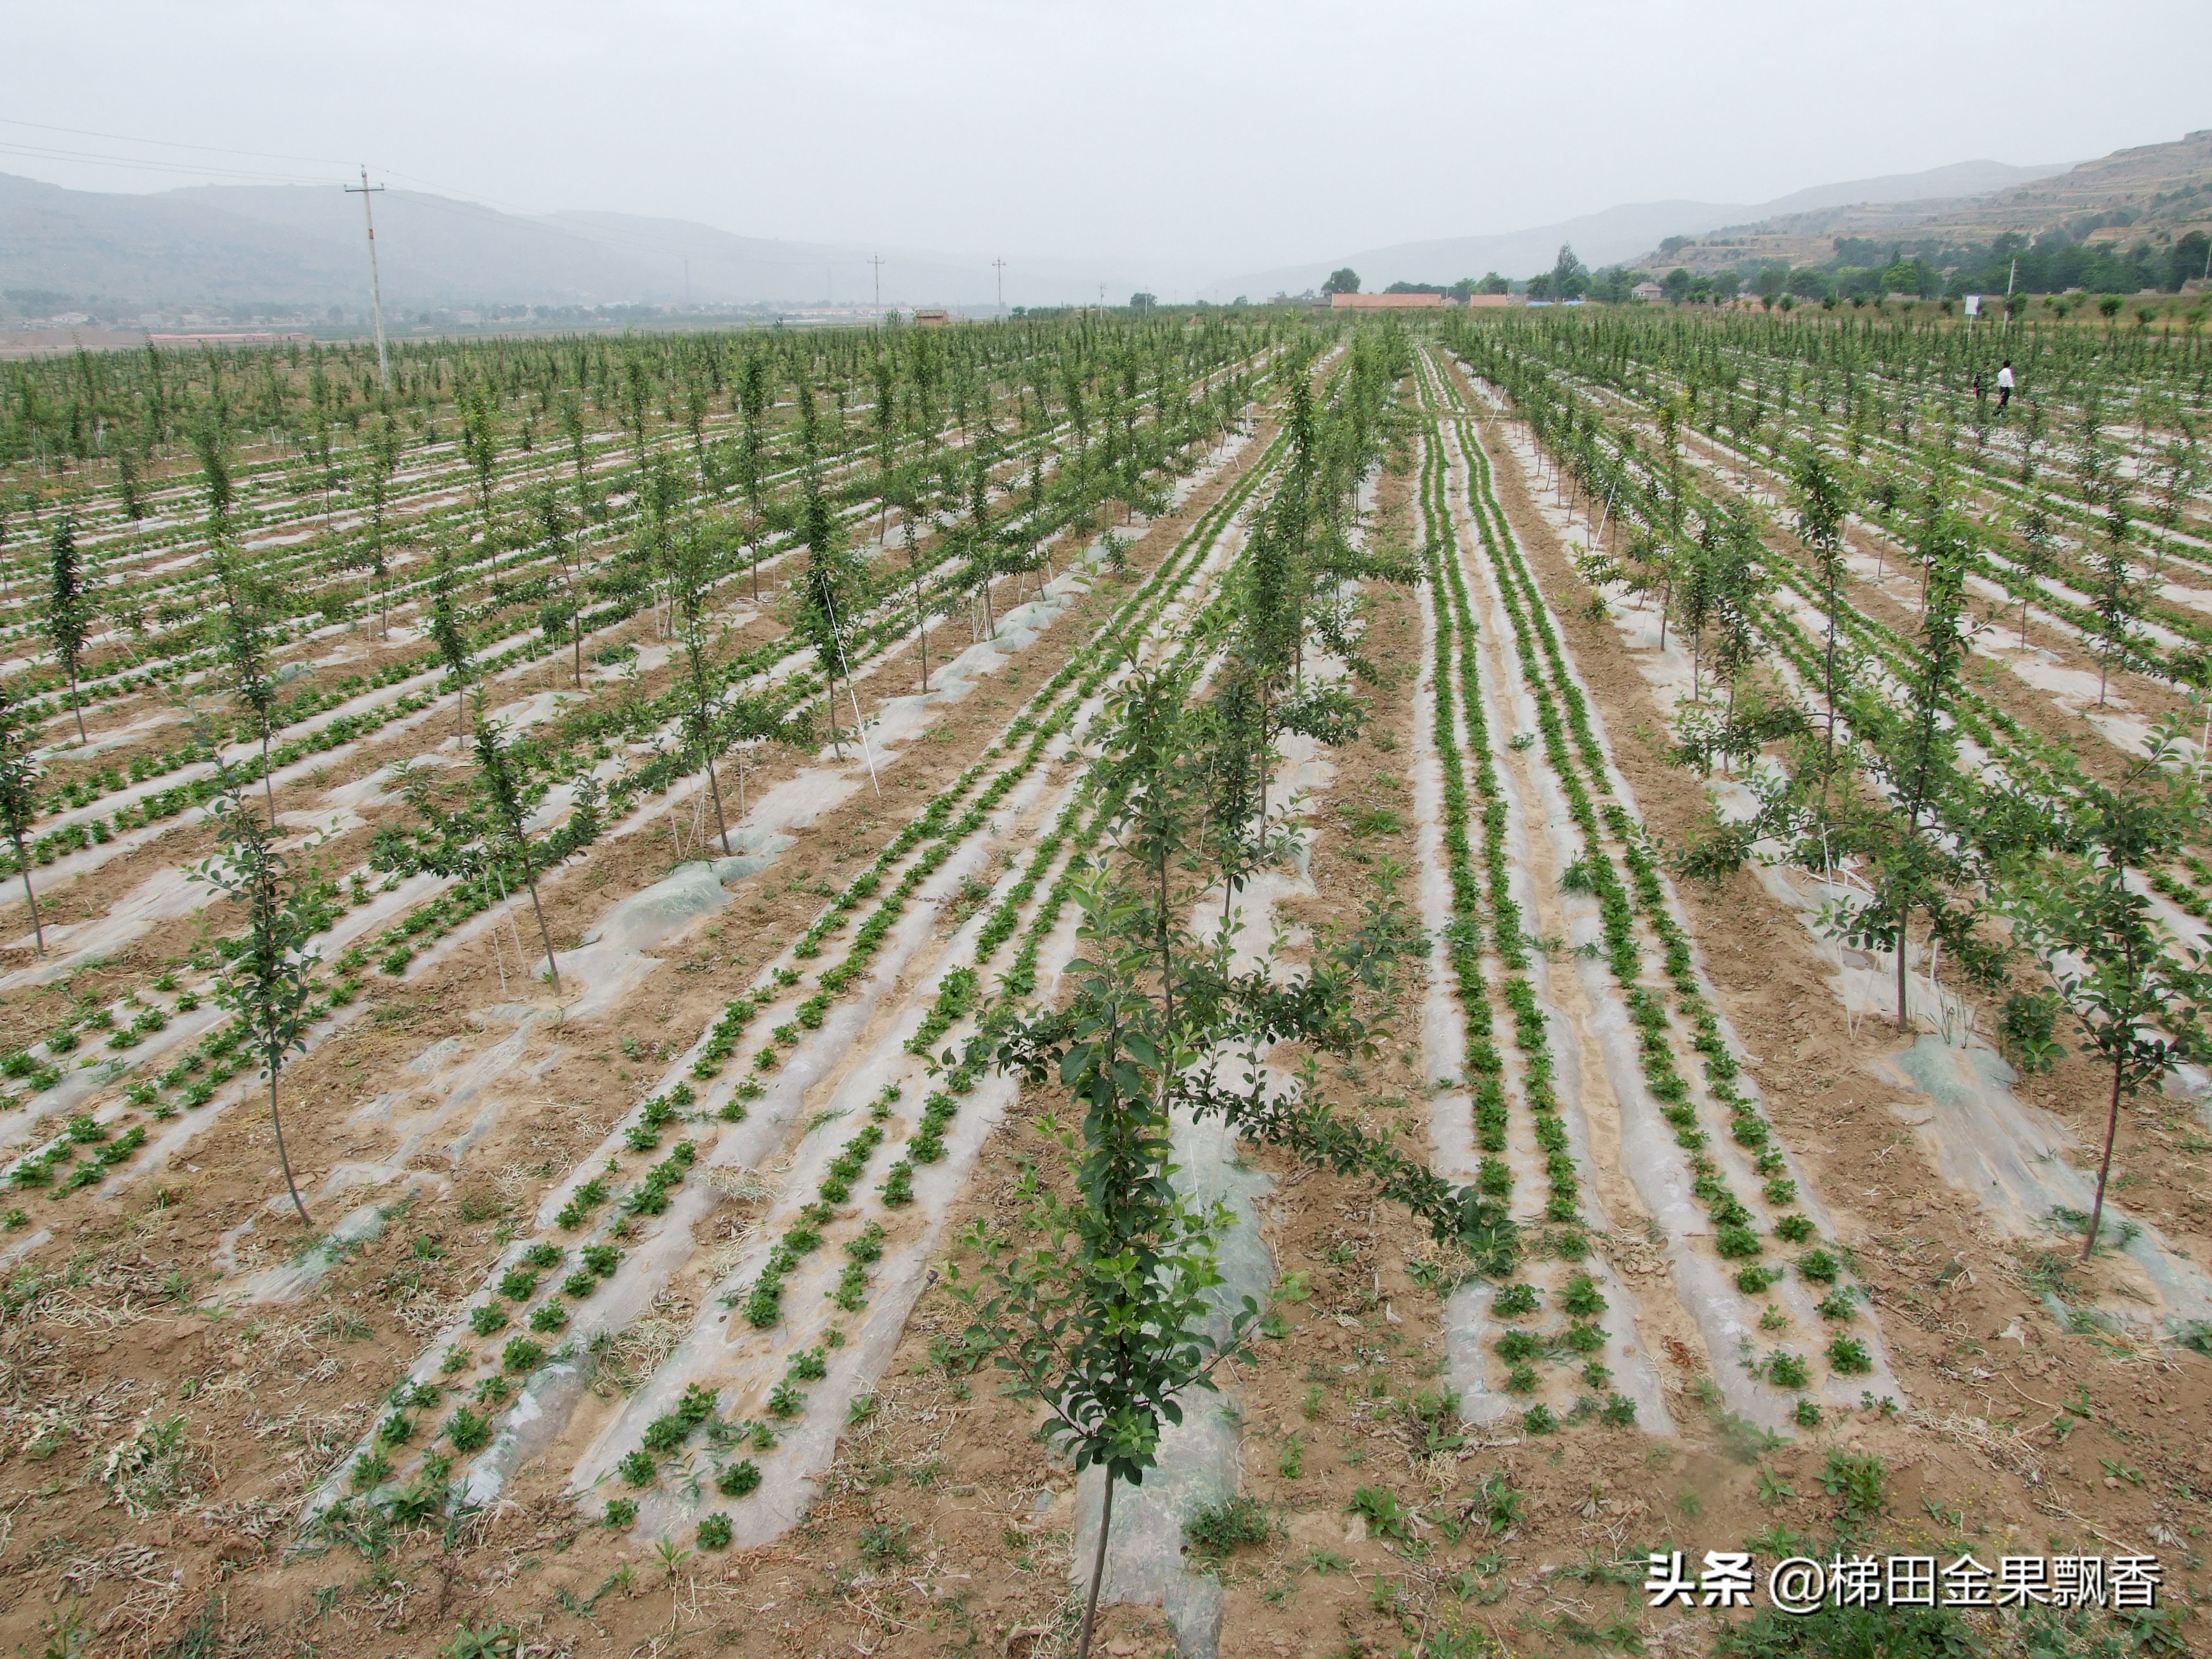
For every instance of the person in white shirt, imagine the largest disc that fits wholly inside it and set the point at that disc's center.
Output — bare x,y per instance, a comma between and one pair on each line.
2004,383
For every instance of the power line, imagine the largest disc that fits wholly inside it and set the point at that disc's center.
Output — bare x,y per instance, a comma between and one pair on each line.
601,237
171,143
463,207
45,153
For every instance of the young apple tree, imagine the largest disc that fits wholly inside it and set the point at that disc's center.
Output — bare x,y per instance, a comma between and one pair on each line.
19,800
502,785
2139,993
1822,511
264,978
69,609
248,602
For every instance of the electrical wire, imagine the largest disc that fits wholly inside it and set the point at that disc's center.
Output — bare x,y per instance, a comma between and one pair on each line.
608,239
44,152
171,143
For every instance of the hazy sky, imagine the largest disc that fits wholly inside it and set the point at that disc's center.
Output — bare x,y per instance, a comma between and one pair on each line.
1209,136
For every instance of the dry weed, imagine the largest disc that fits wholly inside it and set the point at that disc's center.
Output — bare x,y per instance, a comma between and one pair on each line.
156,1466
125,1562
425,1313
640,1350
319,1440
740,1185
2006,1450
41,1430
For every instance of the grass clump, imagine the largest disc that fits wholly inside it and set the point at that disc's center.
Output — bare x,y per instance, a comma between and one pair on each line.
1383,1513
1850,1357
1788,1370
1861,1480
1515,1301
1221,1530
1876,1633
521,1354
739,1479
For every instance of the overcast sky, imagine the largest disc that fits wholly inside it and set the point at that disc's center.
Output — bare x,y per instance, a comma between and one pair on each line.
1208,137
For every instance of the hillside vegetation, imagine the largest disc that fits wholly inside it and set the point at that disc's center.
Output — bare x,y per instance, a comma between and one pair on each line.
2136,219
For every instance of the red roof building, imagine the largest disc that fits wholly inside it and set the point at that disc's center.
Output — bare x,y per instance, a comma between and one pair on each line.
1385,301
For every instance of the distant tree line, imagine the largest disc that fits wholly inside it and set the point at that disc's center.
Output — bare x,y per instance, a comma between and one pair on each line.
2056,262
1346,281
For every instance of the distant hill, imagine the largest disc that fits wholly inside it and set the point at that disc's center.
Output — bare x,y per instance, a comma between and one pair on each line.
2151,192
1618,233
60,247
239,249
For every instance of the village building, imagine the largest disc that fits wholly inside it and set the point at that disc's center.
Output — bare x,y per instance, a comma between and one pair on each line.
1385,301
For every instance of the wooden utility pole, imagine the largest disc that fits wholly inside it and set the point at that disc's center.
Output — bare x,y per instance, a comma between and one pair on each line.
365,190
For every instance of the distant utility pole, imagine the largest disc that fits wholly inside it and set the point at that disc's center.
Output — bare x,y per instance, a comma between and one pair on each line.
375,286
1000,265
877,260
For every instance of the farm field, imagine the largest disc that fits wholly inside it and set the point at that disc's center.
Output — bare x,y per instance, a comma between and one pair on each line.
1430,956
